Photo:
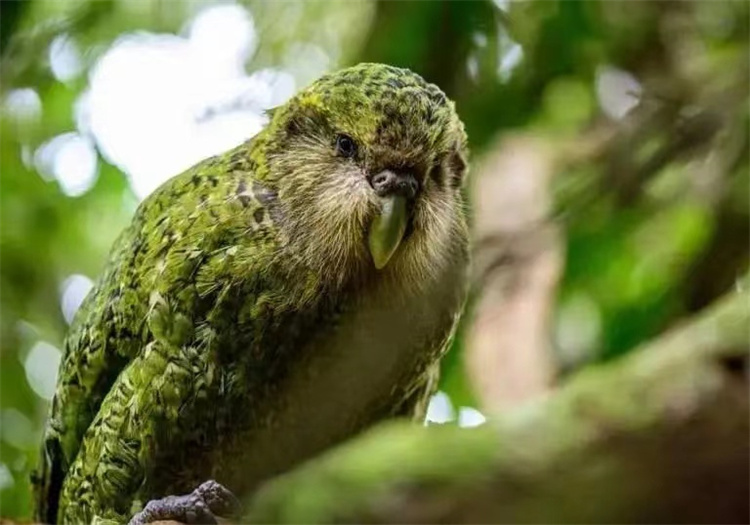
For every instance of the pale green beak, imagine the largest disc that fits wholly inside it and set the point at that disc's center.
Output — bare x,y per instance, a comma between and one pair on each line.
387,229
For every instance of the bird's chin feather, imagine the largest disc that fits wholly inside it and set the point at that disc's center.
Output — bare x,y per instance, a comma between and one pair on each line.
331,231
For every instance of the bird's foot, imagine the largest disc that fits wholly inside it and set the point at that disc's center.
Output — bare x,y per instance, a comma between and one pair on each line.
202,506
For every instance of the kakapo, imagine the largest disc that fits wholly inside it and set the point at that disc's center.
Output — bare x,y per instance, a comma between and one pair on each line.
265,305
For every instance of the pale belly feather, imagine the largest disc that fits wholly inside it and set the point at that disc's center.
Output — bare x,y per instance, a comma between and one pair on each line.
350,377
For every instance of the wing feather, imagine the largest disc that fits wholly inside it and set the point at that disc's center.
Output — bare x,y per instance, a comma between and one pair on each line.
173,232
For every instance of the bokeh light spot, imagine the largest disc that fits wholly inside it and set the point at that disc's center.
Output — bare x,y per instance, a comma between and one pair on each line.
23,105
469,417
159,103
222,38
617,91
6,478
511,55
71,159
41,365
73,291
503,5
64,58
440,409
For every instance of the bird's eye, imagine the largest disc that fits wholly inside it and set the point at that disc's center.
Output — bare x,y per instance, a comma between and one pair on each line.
345,146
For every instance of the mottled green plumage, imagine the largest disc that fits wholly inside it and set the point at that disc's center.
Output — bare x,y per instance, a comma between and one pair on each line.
241,326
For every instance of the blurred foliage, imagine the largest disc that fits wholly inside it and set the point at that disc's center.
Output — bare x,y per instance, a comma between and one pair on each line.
656,221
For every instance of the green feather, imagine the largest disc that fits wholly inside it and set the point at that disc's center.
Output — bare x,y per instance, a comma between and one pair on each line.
241,281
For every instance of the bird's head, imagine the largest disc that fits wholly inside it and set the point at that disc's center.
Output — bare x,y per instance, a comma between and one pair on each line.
368,164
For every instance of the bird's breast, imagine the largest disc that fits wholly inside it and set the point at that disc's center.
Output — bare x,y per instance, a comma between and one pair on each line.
348,375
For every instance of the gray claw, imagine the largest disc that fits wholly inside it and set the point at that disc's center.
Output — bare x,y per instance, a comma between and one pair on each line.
201,506
220,500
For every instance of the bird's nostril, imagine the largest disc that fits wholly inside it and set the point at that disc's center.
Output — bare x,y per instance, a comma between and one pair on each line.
384,182
387,182
380,179
406,187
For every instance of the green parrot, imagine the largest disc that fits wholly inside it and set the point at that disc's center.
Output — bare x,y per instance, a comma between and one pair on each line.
264,305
